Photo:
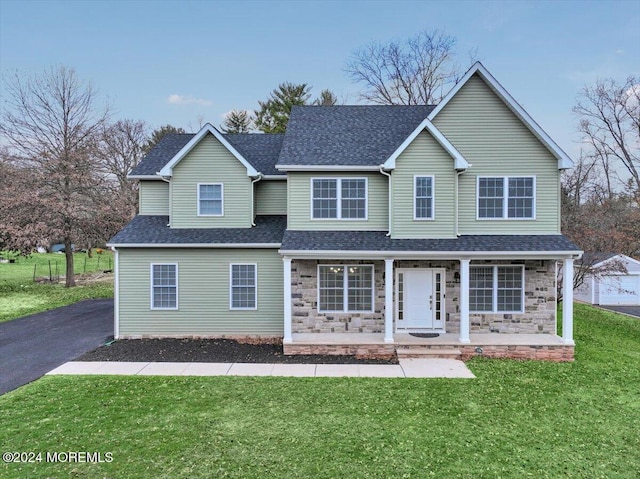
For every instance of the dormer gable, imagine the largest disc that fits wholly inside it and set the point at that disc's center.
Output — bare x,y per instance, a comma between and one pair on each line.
167,170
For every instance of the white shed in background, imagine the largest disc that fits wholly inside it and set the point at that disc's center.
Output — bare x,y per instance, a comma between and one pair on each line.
613,288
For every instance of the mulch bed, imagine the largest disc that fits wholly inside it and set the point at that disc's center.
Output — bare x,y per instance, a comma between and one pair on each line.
211,351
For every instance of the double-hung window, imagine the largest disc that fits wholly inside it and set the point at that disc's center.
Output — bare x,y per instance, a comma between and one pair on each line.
339,198
243,286
506,197
164,286
496,289
423,207
345,288
210,199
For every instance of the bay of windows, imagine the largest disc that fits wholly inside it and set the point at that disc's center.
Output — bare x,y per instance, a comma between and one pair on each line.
339,198
509,197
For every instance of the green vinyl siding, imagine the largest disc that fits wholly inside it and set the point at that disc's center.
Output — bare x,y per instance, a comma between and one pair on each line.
299,201
203,293
271,197
210,162
424,157
153,198
497,143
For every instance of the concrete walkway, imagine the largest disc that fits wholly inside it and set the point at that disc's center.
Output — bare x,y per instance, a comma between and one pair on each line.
408,368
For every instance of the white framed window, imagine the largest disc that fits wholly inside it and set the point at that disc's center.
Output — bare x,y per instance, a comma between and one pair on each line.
243,286
339,198
506,197
496,289
423,200
164,286
345,288
210,199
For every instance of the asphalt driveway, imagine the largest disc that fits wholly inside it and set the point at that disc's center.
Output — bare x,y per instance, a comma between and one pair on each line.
631,310
36,344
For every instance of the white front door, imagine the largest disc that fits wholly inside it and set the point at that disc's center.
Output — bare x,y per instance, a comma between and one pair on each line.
419,299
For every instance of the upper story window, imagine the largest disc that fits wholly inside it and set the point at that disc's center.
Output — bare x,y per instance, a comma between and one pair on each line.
506,197
339,198
423,207
210,199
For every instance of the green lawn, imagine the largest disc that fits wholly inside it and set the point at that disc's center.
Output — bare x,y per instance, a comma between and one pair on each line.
517,419
23,268
20,296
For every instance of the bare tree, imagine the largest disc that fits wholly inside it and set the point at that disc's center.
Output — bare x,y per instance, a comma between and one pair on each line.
120,150
418,71
610,122
237,121
51,125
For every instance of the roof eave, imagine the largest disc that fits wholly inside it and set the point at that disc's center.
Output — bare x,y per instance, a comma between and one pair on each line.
381,254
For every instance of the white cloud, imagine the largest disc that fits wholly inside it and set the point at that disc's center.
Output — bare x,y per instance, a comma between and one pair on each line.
176,99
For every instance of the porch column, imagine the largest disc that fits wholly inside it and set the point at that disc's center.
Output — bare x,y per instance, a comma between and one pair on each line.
567,302
464,301
288,339
388,301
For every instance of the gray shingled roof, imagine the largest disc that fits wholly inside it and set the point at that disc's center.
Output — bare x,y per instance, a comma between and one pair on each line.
260,150
355,135
153,230
160,154
379,241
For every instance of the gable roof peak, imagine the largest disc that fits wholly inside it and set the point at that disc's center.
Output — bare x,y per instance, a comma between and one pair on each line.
564,161
208,128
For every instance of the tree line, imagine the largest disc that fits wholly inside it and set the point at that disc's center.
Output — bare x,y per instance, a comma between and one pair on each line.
64,162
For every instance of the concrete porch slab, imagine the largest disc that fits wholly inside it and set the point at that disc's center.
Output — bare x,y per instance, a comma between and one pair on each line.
435,368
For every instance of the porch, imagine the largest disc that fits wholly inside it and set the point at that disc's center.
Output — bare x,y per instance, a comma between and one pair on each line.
493,345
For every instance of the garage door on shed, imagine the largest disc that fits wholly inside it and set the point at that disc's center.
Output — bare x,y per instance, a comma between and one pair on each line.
620,289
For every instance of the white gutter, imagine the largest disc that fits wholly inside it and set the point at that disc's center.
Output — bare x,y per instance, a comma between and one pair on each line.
194,245
382,254
388,175
253,217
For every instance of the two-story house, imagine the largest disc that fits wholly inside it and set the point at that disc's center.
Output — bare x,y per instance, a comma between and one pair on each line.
361,230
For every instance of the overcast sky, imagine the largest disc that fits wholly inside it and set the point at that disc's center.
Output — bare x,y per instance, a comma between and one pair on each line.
174,62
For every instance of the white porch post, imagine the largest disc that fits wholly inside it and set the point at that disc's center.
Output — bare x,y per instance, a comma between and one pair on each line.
464,301
567,302
388,301
288,339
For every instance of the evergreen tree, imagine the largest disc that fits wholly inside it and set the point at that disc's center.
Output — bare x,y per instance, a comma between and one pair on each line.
326,98
237,121
273,115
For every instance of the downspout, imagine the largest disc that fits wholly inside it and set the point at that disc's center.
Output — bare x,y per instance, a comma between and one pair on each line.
388,175
167,179
458,173
253,218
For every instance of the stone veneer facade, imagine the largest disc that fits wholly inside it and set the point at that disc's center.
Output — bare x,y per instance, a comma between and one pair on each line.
539,315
